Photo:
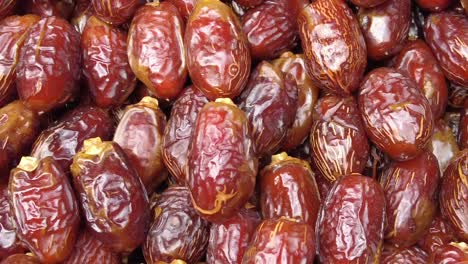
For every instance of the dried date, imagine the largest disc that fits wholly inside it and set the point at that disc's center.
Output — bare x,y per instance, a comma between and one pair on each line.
88,249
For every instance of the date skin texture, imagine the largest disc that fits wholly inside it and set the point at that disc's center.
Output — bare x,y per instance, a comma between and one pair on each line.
9,241
21,259
90,250
438,234
115,12
411,255
453,253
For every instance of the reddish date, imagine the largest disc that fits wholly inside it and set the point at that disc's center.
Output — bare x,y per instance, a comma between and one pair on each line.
112,196
47,8
156,49
453,253
443,144
44,208
367,3
439,233
88,249
140,133
352,221
222,165
397,117
168,242
115,12
7,7
218,57
21,259
410,255
49,66
9,241
281,241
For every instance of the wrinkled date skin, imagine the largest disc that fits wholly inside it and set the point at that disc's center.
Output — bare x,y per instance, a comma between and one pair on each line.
352,221
397,116
21,259
443,144
9,242
156,49
367,3
385,27
222,165
439,233
417,62
47,8
7,7
186,240
63,139
44,207
179,130
88,249
49,66
13,31
463,131
281,241
115,12
447,35
307,95
288,188
270,105
453,253
411,255
338,141
105,63
229,240
411,194
453,197
19,127
217,50
333,44
140,133
112,196
434,5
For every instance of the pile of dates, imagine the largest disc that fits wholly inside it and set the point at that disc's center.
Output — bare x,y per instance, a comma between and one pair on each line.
234,131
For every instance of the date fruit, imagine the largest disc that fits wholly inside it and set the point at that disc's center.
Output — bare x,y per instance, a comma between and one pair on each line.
439,234
443,144
9,241
409,255
88,249
115,12
185,7
47,8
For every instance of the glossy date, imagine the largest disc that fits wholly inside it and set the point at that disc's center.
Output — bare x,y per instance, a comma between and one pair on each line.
88,249
115,12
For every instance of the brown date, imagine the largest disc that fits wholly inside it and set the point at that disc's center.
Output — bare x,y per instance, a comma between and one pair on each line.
281,241
63,139
385,27
338,141
409,255
453,253
9,241
288,188
20,259
13,31
457,95
229,240
439,233
47,8
463,130
218,57
6,8
307,96
418,63
179,130
434,5
352,221
90,250
270,104
333,44
447,35
19,127
177,232
443,144
115,12
105,63
44,208
453,197
410,189
397,116
221,165
367,3
112,195
156,50
140,133
49,66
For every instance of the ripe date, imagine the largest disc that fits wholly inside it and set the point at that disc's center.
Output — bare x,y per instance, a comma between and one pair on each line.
453,253
222,165
49,66
9,241
218,57
112,195
177,232
397,117
333,44
410,255
44,208
443,144
115,12
439,233
88,249
352,221
156,49
140,133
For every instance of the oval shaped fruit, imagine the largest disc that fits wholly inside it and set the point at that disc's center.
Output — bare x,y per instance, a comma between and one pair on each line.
9,241
338,141
156,49
443,144
351,224
13,31
222,165
7,7
177,232
447,35
411,255
21,259
88,249
397,117
281,241
112,195
139,133
333,44
439,234
453,196
44,208
270,105
218,57
179,130
288,189
49,66
452,253
417,62
367,3
115,12
105,63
